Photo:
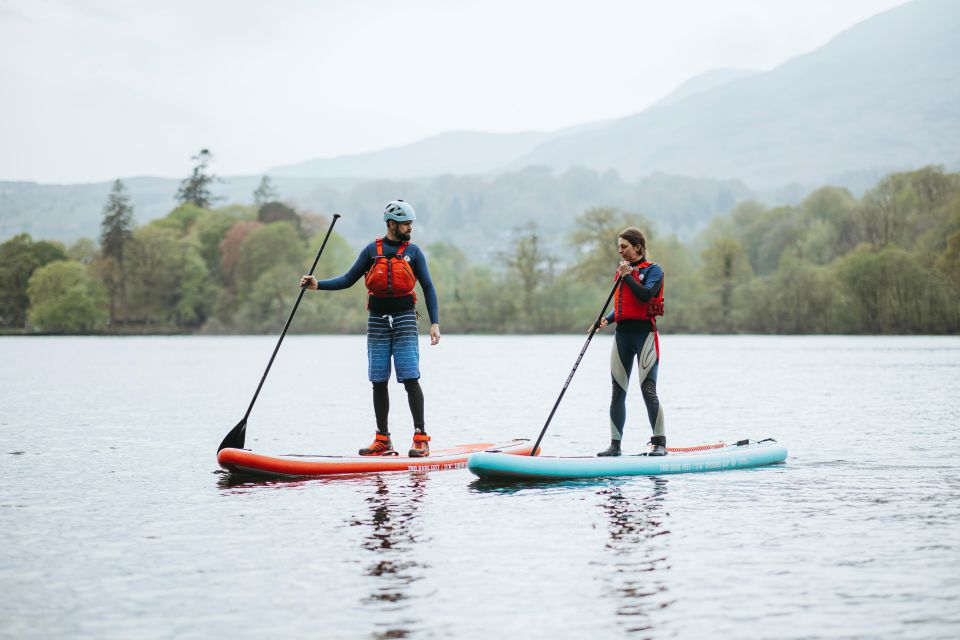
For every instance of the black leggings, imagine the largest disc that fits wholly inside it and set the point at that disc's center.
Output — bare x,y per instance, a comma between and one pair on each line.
381,404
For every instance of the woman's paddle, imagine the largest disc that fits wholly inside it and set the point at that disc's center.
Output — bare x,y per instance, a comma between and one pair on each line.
235,438
593,330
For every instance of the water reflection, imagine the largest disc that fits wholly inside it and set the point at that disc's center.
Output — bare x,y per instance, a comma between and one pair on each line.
234,483
637,552
509,487
393,535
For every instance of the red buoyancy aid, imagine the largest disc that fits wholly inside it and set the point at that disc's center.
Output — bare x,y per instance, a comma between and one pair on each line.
627,306
391,277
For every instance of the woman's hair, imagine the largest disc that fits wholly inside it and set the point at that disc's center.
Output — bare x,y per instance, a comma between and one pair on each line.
635,237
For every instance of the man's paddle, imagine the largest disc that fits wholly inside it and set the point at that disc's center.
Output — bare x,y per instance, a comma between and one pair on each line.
235,438
593,330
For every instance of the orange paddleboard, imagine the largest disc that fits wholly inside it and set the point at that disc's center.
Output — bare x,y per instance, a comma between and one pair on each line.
242,461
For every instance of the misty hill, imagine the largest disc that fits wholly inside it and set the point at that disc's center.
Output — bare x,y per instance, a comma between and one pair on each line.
454,208
66,212
458,153
882,95
704,82
470,152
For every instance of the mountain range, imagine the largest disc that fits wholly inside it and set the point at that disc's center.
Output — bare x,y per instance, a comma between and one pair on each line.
880,97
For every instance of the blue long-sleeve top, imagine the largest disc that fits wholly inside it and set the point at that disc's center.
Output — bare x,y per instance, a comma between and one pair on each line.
648,287
418,262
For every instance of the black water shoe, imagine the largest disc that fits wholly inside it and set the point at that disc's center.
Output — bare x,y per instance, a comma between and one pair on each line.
658,450
612,450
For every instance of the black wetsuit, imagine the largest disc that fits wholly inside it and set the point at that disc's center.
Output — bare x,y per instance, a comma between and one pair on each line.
637,340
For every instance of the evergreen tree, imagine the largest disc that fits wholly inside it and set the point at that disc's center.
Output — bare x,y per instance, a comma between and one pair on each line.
266,192
116,233
116,229
195,189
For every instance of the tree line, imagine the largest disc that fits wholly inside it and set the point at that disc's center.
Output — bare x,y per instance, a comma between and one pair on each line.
888,262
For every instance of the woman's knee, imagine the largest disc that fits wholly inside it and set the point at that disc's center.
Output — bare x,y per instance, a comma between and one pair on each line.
649,390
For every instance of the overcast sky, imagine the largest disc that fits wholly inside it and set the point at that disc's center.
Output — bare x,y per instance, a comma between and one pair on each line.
93,90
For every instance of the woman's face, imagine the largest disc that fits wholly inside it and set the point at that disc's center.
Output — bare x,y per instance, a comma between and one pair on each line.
627,251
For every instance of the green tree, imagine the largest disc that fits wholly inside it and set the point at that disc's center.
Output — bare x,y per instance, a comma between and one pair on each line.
833,228
265,192
195,294
949,260
169,284
449,268
20,256
210,229
268,267
182,218
798,298
894,293
116,228
65,299
266,246
530,264
116,233
84,251
595,241
329,311
278,212
680,280
766,234
724,273
884,210
195,189
487,304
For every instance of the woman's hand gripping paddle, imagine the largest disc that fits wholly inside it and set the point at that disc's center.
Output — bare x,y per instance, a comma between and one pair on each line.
593,330
235,439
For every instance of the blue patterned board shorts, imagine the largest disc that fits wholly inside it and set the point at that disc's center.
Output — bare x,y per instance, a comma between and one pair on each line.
393,335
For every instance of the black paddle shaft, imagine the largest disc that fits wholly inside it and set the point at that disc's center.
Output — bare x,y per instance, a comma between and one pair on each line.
237,435
593,330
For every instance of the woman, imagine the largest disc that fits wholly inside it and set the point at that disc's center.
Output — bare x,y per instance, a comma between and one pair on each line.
637,302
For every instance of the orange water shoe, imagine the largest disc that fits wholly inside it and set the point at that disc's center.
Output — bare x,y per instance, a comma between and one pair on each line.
381,446
421,446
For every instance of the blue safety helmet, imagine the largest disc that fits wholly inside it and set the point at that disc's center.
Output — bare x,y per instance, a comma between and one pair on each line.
400,211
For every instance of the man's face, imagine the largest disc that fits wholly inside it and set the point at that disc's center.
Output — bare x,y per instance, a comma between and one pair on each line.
403,230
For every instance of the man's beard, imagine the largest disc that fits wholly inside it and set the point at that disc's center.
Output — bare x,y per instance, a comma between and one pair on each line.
404,237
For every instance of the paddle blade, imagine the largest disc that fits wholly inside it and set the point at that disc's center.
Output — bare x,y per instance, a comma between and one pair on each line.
234,439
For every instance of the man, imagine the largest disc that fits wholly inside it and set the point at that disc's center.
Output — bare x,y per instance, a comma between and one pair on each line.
393,265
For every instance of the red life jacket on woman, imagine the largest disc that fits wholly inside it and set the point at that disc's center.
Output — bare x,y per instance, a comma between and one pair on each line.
627,306
391,277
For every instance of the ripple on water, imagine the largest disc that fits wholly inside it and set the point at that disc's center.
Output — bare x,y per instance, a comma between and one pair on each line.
116,523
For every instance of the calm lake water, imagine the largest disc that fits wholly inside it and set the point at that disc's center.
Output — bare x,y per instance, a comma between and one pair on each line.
116,522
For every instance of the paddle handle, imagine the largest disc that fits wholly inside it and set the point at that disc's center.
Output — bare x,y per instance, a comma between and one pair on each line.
593,330
336,216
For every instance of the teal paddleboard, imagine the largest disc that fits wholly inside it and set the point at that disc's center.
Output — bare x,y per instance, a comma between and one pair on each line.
500,466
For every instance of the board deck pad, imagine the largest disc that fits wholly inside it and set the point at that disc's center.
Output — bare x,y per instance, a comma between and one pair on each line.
245,462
